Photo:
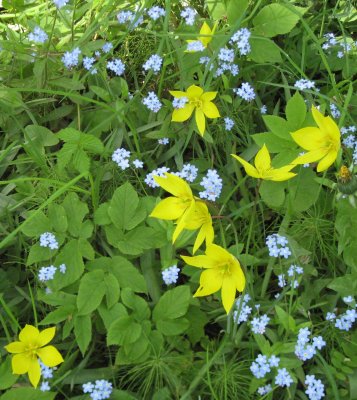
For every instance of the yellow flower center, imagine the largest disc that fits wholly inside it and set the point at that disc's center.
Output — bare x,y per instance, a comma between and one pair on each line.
196,102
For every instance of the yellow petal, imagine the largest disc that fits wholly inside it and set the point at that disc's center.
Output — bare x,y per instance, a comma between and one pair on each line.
238,276
199,261
16,347
327,161
170,208
182,114
218,254
311,156
50,356
182,221
309,138
262,159
174,185
210,110
46,336
200,121
20,363
199,239
34,372
327,125
249,169
205,30
228,292
210,282
194,92
208,96
279,176
29,334
177,93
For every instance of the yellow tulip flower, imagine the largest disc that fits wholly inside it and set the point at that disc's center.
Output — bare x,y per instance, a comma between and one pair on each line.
200,218
197,100
322,143
175,207
222,271
263,168
29,348
206,34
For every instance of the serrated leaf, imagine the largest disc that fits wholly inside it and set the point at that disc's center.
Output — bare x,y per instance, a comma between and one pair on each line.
59,315
172,327
264,50
75,211
37,225
91,292
112,289
278,126
83,331
123,331
58,217
173,304
296,112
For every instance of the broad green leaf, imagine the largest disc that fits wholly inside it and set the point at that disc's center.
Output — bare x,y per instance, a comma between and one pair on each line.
273,193
41,135
264,50
57,215
344,285
286,320
139,239
62,313
110,315
216,8
38,225
303,190
296,112
83,331
71,256
81,160
38,253
278,126
76,211
27,393
172,327
123,206
274,144
101,215
112,289
197,319
101,93
91,291
128,275
235,10
275,19
173,304
137,304
123,331
7,377
86,249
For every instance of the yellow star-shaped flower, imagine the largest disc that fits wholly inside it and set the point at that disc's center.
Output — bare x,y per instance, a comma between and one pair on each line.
263,169
31,347
222,271
199,101
322,143
205,35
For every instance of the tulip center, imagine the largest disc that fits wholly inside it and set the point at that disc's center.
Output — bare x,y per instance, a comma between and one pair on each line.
196,102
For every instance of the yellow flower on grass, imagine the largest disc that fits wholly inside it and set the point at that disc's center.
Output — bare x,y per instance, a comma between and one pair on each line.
322,143
200,218
263,169
197,100
175,207
30,347
222,271
205,35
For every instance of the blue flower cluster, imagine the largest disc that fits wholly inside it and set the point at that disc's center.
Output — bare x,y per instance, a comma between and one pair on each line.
194,46
277,246
46,373
154,63
229,123
121,157
164,141
212,184
188,172
60,3
304,349
293,272
100,390
128,16
263,390
48,239
303,84
241,40
179,102
170,275
315,388
149,180
283,378
71,58
156,12
189,15
242,311
48,273
38,35
263,365
245,91
117,66
342,45
259,324
152,102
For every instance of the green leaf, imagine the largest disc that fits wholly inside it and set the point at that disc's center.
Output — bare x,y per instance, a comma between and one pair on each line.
7,377
41,135
27,394
344,285
235,10
76,211
71,256
264,50
139,239
273,193
57,215
110,315
137,304
101,215
83,331
123,331
91,292
62,313
197,319
38,253
275,19
286,320
173,304
216,8
123,206
278,126
112,289
100,92
172,327
81,161
303,190
38,225
295,112
274,144
128,275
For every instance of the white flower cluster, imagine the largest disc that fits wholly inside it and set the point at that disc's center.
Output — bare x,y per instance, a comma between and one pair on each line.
154,63
304,349
241,40
242,311
212,184
121,157
152,102
245,91
303,84
170,275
